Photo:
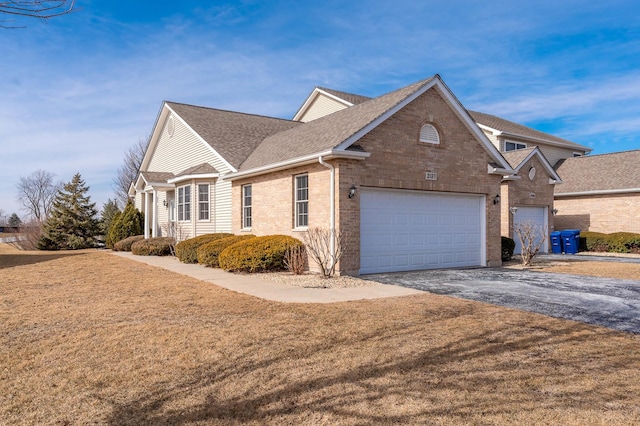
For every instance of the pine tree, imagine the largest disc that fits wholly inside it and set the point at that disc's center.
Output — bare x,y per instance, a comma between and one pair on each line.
109,211
14,220
72,224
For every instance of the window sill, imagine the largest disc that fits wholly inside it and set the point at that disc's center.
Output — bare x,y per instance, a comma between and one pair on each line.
301,229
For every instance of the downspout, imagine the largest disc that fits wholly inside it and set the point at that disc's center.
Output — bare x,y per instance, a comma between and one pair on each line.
332,204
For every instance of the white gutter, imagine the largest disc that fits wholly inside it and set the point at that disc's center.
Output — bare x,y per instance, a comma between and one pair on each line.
332,204
299,161
601,192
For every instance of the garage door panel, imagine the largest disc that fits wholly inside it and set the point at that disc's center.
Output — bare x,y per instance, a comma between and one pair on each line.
428,230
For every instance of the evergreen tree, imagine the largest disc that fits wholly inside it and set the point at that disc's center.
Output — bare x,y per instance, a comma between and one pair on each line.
109,211
14,220
126,224
72,224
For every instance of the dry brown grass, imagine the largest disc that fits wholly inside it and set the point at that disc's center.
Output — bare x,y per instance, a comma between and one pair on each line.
89,337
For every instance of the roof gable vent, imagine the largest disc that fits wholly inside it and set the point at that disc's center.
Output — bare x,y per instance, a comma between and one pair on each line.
429,134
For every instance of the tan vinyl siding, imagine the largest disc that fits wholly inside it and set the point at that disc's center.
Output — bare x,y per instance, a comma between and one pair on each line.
494,140
321,106
555,154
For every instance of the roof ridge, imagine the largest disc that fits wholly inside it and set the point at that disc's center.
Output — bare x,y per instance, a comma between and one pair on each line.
229,111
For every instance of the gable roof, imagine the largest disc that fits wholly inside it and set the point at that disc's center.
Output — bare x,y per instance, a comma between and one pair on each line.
503,127
334,133
352,98
234,135
518,158
599,174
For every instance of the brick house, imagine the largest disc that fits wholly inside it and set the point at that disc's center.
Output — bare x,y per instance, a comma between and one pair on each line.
601,193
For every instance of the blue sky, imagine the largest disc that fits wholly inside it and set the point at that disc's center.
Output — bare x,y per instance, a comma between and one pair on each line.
78,90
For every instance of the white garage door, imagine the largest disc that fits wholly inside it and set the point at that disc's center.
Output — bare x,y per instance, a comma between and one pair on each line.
411,230
535,215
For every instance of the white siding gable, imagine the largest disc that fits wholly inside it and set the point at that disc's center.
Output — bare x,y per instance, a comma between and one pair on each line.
322,105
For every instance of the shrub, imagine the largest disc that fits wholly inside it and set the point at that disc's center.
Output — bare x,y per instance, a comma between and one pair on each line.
208,253
126,224
593,241
508,246
258,254
125,245
158,246
624,242
187,250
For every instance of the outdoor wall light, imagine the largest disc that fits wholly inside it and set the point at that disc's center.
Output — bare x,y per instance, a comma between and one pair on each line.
554,211
513,210
352,191
496,199
164,202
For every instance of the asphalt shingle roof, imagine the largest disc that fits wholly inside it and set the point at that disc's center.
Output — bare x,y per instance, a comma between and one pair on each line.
603,172
326,132
234,135
157,177
518,129
200,169
349,97
515,158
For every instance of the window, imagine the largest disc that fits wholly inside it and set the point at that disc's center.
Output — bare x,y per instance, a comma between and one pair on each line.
577,154
429,134
184,203
203,201
513,146
246,206
302,201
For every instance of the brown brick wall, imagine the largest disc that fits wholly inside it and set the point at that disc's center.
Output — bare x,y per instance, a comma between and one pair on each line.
606,214
398,160
519,192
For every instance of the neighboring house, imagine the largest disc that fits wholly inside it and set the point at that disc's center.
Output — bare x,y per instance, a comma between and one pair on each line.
527,196
601,193
408,177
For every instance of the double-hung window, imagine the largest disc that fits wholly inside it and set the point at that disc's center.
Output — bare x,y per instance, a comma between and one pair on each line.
514,146
184,203
246,206
302,201
203,201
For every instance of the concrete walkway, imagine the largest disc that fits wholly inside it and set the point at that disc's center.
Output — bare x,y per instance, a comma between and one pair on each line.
265,289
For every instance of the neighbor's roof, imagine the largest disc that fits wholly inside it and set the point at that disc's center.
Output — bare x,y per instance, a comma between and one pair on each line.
617,172
234,135
327,132
349,97
516,129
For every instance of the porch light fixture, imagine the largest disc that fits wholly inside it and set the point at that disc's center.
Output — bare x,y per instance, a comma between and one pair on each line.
352,191
164,202
496,199
513,210
554,211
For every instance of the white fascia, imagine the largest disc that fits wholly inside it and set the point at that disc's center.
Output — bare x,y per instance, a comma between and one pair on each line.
300,161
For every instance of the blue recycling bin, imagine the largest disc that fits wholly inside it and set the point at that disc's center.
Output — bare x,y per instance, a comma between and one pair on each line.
570,240
556,242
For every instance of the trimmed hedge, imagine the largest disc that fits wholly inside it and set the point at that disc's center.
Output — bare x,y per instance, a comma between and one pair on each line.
158,246
258,254
208,253
125,245
187,250
508,246
618,242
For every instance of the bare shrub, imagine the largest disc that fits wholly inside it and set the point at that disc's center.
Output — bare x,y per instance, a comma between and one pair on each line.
176,232
532,237
318,244
28,236
295,260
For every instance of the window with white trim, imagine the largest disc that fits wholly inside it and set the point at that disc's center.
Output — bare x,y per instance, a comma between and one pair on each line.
184,203
203,201
514,146
246,206
429,134
302,201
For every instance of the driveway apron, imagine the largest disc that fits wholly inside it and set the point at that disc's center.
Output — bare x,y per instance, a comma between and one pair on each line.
605,302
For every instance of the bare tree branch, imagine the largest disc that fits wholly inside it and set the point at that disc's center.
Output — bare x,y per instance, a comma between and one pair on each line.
42,9
128,172
36,193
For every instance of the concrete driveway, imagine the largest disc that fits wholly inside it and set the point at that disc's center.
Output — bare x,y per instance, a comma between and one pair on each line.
606,302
